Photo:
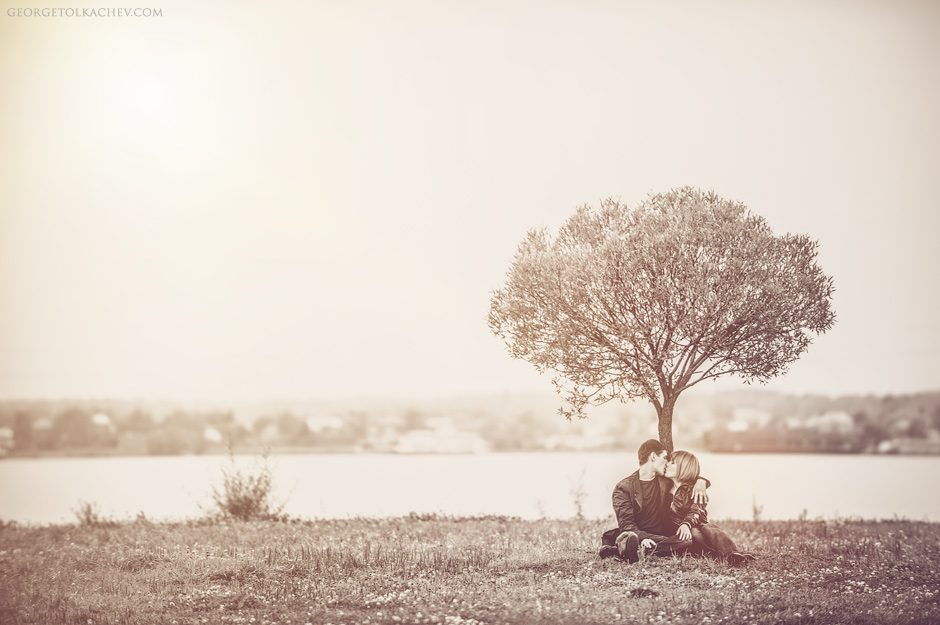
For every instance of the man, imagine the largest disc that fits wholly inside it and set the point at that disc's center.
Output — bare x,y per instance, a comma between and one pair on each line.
638,502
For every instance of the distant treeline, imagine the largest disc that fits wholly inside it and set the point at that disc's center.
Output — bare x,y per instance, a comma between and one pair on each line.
724,422
767,422
42,427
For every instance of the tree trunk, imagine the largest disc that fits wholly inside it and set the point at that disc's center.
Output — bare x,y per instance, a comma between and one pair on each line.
665,422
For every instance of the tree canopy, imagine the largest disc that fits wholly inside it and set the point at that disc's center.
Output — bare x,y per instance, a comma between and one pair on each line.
648,302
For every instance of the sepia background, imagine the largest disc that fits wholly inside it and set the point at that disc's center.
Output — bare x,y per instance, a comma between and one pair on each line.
235,204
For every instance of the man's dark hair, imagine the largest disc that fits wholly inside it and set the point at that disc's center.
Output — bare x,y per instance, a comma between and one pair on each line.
652,446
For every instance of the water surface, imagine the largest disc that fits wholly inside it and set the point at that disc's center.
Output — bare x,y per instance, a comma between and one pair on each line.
528,485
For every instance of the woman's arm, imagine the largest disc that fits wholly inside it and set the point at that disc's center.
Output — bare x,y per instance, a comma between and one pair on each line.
698,491
693,514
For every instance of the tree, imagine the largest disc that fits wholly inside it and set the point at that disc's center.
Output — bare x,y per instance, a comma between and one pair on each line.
293,429
648,302
74,429
137,421
23,431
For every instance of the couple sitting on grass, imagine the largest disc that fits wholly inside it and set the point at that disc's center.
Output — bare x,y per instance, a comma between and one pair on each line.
660,511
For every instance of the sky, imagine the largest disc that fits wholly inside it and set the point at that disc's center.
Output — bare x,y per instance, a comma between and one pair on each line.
239,201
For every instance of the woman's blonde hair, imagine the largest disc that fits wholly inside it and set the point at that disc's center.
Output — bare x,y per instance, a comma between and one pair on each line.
686,467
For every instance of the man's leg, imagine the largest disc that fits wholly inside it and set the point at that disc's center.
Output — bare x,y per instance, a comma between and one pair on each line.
671,546
610,537
627,546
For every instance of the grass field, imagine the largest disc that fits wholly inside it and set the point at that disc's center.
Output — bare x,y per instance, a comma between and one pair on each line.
429,569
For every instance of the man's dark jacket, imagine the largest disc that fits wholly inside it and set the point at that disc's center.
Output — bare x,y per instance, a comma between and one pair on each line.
628,499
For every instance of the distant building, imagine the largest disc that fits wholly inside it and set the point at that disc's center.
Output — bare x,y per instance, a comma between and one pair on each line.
929,445
744,419
103,421
6,441
833,421
592,436
42,424
443,439
382,432
212,435
321,423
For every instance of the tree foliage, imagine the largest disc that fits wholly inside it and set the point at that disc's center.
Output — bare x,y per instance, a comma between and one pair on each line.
648,302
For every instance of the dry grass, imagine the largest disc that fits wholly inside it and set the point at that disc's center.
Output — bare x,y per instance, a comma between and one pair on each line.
429,569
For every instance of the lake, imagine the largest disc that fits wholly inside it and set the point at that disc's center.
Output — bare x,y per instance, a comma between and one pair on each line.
528,485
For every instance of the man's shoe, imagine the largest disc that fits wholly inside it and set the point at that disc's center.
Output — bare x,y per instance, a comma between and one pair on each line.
739,559
627,544
609,551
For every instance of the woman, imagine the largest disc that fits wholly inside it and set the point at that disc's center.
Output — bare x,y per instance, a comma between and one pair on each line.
689,520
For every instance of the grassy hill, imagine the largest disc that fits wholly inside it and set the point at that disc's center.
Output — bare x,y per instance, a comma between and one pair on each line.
430,569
